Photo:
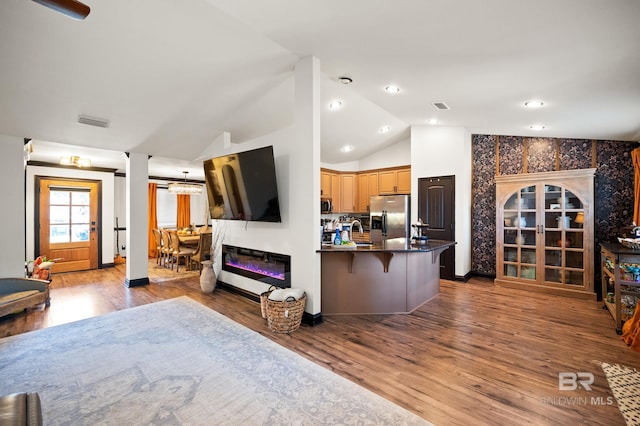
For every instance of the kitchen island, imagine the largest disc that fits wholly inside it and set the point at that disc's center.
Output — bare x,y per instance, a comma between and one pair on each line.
394,276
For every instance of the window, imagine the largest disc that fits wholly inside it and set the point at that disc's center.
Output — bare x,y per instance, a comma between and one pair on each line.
69,216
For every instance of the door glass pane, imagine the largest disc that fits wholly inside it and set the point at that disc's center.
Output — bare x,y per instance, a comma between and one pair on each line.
58,214
79,233
59,197
552,238
553,257
512,203
574,239
573,277
510,270
80,214
510,236
572,201
528,219
528,256
528,272
574,259
510,220
510,254
552,275
59,233
528,237
80,198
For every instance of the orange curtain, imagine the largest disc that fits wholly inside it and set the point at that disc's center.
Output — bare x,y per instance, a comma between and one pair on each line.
635,156
631,331
184,210
153,219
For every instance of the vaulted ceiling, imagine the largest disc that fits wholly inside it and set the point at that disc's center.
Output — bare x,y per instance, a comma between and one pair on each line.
172,76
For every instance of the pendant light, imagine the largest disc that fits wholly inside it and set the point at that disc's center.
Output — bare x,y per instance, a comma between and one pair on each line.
185,187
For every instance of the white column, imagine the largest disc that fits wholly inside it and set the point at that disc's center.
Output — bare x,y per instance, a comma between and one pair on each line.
137,215
12,214
306,171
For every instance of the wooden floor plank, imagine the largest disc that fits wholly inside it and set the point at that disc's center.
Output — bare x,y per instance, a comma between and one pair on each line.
475,354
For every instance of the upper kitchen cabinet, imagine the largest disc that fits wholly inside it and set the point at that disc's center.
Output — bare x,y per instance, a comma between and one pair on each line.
394,181
544,232
325,184
348,192
367,186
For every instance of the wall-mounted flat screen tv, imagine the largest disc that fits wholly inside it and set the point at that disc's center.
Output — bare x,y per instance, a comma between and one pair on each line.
243,186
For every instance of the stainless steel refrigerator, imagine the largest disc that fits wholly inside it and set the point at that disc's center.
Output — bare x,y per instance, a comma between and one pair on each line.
390,217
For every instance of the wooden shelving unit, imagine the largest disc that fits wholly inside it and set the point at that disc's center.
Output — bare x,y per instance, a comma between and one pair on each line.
620,276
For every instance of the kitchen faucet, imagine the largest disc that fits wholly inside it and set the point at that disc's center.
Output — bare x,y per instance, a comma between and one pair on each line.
351,228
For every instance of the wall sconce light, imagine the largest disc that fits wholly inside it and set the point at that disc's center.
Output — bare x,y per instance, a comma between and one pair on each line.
74,160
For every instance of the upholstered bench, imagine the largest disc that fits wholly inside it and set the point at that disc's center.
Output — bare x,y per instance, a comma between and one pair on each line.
21,409
17,294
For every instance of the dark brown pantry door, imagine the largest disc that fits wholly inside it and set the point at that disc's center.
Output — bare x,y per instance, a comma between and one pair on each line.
67,223
436,208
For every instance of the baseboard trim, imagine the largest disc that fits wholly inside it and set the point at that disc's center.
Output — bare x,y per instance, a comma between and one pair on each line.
307,318
137,282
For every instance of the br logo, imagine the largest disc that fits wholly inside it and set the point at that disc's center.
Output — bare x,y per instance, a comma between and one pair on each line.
569,381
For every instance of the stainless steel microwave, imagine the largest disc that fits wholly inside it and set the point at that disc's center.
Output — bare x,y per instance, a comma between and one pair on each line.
326,206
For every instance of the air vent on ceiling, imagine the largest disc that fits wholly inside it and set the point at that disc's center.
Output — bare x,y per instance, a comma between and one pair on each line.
440,105
91,121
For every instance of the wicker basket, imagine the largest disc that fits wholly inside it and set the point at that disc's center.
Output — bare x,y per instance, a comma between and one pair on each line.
285,316
263,301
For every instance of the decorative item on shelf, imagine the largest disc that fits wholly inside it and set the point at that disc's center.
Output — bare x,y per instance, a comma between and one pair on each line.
185,187
40,268
632,243
580,219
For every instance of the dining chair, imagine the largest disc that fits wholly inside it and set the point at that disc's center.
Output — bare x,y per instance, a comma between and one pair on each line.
158,239
203,251
166,248
178,251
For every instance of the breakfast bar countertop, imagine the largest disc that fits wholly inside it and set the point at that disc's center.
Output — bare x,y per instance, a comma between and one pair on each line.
396,245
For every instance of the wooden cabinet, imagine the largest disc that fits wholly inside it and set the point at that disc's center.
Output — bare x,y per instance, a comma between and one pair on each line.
335,192
620,281
325,184
544,232
394,181
367,186
348,192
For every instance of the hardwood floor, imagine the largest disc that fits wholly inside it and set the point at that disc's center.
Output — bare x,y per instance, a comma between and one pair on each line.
476,354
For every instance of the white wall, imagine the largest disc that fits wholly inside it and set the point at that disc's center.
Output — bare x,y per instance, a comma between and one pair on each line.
13,209
445,151
297,160
108,221
398,154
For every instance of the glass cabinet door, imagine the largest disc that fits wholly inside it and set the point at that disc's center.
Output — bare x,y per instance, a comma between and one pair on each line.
519,237
563,236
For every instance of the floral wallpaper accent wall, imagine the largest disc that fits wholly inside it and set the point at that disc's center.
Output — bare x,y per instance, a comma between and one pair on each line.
613,186
483,256
541,155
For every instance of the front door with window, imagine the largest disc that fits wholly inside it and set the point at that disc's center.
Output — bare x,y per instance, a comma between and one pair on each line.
68,223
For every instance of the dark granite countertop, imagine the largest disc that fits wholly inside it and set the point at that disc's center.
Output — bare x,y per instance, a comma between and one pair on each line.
396,245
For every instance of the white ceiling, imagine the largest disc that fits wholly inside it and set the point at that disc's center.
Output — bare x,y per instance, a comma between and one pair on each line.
172,76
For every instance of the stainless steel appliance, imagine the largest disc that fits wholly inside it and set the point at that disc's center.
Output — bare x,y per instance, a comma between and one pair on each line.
326,206
390,217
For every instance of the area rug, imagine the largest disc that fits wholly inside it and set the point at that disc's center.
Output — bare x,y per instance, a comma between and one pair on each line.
178,362
625,385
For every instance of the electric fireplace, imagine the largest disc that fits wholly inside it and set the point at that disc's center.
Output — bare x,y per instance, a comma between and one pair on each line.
264,266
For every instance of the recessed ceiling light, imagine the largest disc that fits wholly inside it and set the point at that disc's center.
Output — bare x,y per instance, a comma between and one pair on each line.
533,104
345,80
384,129
392,89
537,127
335,104
433,121
346,148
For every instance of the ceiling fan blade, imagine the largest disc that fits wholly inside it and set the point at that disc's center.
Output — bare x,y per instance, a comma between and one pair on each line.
72,8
